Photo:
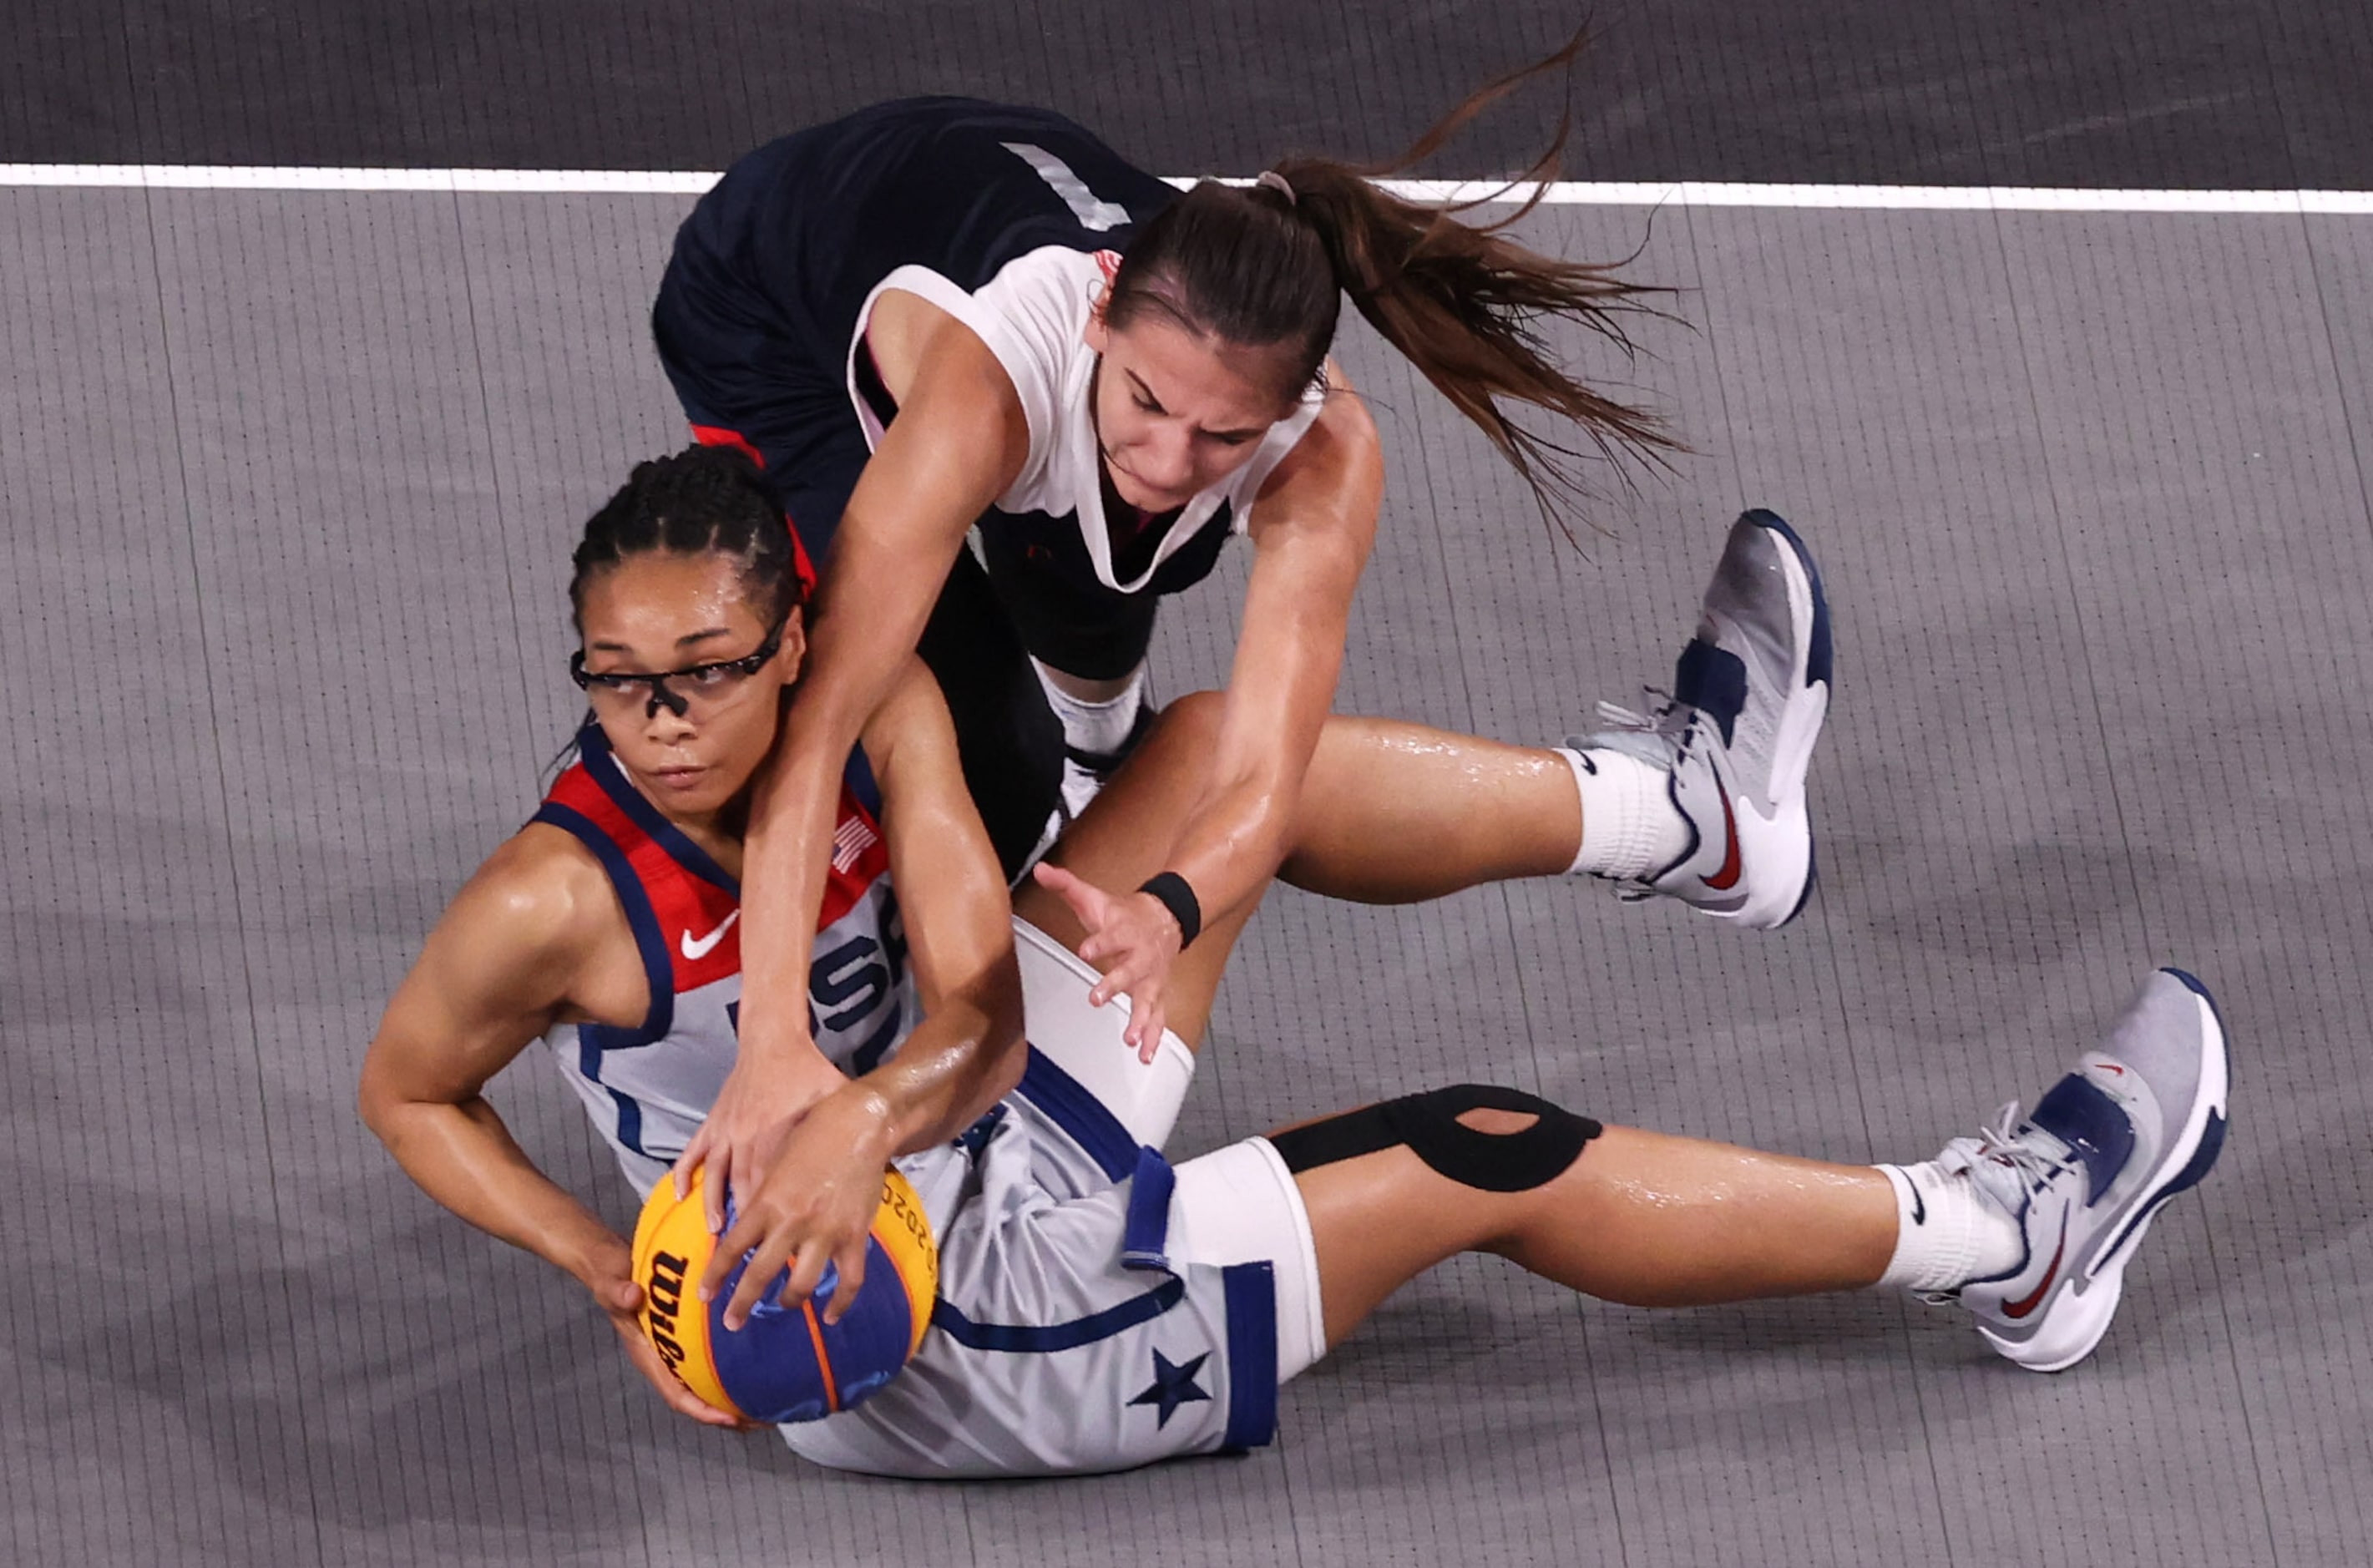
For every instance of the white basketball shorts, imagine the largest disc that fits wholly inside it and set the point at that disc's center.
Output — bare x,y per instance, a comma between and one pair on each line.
1098,1309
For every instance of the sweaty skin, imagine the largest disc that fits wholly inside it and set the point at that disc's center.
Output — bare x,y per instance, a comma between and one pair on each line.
538,937
1394,812
1174,414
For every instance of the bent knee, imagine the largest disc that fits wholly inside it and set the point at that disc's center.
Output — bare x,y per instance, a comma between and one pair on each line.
1491,1138
1192,718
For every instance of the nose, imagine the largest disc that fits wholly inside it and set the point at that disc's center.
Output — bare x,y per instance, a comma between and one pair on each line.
664,695
668,722
1169,460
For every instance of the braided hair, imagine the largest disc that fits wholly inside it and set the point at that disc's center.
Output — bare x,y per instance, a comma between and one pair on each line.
702,500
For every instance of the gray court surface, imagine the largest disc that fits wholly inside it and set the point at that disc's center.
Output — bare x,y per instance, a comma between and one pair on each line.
289,482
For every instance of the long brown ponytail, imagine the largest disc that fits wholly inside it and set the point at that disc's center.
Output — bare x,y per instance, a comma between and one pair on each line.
1267,265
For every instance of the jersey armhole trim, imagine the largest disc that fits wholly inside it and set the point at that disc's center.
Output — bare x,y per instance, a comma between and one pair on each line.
660,1017
937,290
858,776
1245,492
611,780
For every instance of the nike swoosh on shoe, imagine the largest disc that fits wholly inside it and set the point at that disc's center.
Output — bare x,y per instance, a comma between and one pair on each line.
2026,1305
1723,880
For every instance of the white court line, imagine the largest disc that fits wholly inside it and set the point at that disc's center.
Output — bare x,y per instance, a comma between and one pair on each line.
1685,192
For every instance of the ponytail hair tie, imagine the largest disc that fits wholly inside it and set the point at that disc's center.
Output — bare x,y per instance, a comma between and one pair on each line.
1276,181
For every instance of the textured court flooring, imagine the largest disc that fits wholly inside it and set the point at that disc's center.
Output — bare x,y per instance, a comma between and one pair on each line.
290,481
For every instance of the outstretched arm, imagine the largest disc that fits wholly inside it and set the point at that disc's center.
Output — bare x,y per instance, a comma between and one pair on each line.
959,440
494,974
817,1203
1313,527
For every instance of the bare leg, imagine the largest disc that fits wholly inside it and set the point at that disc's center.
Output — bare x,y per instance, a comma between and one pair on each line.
1395,812
1640,1218
1391,813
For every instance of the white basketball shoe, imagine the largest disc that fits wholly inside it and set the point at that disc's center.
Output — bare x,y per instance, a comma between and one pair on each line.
2140,1119
1736,732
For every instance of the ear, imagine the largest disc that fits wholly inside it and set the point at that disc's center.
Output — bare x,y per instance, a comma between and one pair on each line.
794,651
1097,334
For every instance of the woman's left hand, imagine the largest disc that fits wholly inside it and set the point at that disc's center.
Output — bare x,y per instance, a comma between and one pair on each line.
1133,938
815,1206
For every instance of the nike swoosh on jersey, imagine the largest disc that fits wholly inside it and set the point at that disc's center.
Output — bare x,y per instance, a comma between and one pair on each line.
696,951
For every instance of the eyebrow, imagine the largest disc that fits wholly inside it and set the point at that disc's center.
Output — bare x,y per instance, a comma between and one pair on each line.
684,641
1146,393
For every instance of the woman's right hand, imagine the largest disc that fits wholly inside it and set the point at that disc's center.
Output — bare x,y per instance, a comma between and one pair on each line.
768,1089
610,1278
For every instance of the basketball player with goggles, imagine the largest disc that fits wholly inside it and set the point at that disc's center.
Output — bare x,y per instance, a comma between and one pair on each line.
1099,1308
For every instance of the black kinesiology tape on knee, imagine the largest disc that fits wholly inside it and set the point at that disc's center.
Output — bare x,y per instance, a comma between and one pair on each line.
1428,1124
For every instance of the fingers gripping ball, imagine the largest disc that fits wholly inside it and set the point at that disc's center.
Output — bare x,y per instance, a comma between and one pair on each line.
785,1363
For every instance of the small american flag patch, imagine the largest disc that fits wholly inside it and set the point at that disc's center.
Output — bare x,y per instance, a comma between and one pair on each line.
853,839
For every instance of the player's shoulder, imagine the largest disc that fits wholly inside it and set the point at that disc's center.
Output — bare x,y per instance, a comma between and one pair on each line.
1344,423
1048,293
1340,447
541,890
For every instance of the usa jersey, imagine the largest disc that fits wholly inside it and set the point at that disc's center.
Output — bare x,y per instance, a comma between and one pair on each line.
646,1087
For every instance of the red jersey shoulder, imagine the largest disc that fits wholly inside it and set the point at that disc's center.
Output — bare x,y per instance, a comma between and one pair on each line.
697,916
696,919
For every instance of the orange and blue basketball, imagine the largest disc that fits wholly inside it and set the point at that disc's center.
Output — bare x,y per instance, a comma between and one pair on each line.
785,1364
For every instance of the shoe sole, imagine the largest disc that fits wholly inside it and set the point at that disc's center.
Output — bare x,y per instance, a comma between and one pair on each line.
1800,728
2077,1325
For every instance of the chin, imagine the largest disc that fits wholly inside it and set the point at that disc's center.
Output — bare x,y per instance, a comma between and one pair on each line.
1143,499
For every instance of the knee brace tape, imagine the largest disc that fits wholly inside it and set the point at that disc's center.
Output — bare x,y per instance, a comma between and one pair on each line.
1428,1124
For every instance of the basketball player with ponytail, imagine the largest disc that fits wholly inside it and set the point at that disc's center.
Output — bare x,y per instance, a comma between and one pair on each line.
1096,1306
1011,391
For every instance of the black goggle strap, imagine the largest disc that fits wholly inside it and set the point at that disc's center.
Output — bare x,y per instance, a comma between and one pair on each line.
661,692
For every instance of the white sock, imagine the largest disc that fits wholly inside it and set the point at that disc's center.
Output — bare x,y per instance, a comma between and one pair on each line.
1947,1232
1100,727
1630,825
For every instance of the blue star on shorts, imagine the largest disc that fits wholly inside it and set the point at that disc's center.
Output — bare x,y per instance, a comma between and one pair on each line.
1173,1387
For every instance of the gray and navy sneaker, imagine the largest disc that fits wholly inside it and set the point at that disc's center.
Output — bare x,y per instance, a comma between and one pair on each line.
1737,731
2140,1119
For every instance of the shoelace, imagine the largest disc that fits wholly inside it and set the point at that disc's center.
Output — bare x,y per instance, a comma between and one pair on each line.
1661,737
2008,1166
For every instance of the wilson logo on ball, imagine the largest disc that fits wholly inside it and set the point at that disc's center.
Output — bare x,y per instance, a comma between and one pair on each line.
785,1363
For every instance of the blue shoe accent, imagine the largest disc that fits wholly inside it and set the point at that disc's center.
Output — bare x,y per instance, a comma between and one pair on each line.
1818,657
1812,877
2095,1130
1713,681
2212,1143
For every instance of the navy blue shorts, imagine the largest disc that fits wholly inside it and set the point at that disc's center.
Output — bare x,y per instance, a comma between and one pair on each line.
755,320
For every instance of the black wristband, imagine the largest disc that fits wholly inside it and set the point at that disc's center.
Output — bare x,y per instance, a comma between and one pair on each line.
1180,899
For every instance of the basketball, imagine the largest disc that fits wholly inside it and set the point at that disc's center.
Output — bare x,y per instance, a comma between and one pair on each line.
785,1364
